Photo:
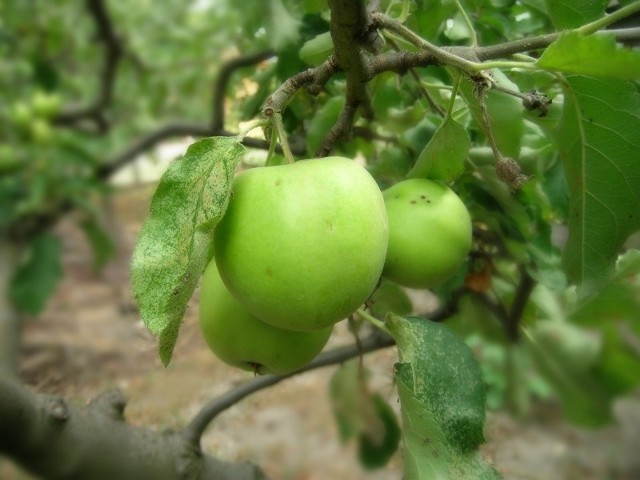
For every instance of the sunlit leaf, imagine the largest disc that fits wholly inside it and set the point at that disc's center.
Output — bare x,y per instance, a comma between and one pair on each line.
574,13
172,249
595,55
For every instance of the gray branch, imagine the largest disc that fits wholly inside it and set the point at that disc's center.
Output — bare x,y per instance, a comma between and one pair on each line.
55,440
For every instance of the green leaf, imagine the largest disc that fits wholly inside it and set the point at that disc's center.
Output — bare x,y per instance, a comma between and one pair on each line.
598,138
389,298
594,55
322,121
613,311
172,249
504,111
283,26
574,13
100,241
375,451
36,278
566,357
444,156
317,50
442,396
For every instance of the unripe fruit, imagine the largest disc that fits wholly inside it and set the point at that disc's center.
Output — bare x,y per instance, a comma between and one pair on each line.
429,233
240,339
303,245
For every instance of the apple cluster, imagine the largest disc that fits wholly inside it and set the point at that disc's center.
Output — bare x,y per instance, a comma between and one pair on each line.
303,246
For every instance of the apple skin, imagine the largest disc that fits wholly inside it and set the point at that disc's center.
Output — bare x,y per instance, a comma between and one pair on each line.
240,339
302,246
429,233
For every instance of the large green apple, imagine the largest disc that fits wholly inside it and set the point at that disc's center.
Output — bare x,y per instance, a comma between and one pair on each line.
302,246
240,339
429,233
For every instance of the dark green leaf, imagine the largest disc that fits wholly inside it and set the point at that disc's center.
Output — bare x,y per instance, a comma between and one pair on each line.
442,397
100,241
173,246
595,55
36,278
375,450
598,138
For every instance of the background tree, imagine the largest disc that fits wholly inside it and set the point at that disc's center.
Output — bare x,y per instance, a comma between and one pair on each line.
527,110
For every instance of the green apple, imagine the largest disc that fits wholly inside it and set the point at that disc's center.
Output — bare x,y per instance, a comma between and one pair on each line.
302,246
41,131
429,233
240,339
45,104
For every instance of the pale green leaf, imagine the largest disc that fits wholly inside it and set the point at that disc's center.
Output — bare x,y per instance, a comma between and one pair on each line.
574,13
566,357
38,275
284,25
598,140
444,156
172,249
594,55
613,311
317,50
442,396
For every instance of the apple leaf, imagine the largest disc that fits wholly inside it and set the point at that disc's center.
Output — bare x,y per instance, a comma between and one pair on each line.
317,50
322,121
594,55
504,112
574,13
598,139
444,156
101,243
442,397
36,278
566,357
613,312
173,246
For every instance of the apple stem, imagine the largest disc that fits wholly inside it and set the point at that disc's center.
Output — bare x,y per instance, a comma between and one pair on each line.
373,320
277,122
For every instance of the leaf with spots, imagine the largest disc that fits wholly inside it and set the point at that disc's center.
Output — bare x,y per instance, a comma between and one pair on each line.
442,397
598,140
173,246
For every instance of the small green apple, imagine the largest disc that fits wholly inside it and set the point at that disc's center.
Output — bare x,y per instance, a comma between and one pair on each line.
240,339
303,245
45,104
41,131
429,233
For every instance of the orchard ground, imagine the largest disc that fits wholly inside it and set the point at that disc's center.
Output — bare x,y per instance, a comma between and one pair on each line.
90,338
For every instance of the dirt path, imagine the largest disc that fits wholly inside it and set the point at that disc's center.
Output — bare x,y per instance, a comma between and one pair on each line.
90,338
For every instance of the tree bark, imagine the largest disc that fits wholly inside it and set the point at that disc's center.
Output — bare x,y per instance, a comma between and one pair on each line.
55,440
